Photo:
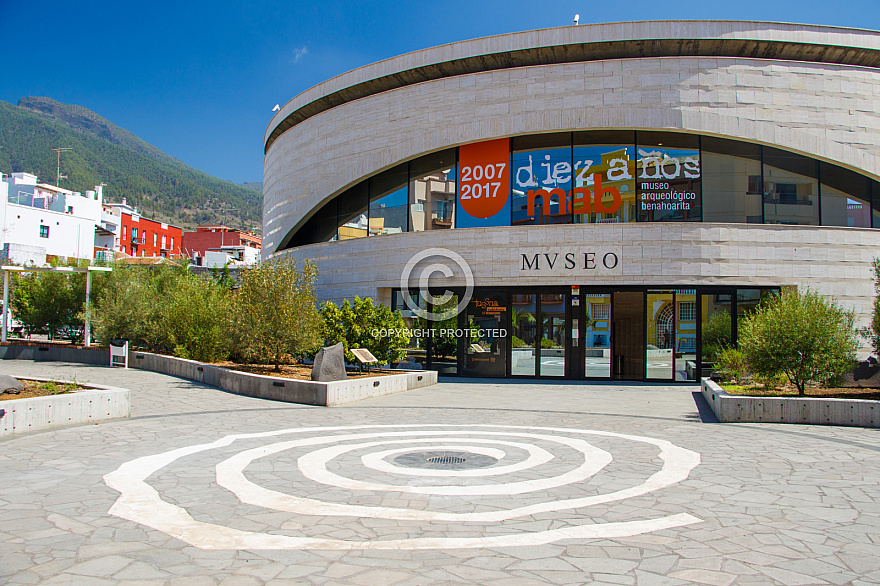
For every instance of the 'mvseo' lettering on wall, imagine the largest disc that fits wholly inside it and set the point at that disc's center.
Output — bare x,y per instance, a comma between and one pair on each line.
571,260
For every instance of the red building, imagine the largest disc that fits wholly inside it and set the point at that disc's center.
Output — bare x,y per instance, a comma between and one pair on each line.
139,236
217,237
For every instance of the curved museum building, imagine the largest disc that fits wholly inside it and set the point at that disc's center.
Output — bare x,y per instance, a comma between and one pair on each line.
598,201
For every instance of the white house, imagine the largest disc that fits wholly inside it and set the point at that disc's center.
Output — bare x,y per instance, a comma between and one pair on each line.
40,220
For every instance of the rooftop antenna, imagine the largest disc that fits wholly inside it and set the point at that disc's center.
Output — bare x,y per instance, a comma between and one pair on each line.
577,17
58,175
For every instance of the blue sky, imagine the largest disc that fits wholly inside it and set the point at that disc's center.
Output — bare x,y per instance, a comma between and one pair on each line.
199,79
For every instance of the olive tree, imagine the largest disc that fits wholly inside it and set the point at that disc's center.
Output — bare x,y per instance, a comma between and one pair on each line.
132,302
874,332
274,311
800,334
195,319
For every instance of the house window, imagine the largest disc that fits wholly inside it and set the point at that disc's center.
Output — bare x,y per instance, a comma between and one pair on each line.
172,243
124,232
154,239
44,231
687,311
602,311
163,241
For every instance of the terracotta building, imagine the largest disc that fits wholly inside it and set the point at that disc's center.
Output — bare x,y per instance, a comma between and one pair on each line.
219,238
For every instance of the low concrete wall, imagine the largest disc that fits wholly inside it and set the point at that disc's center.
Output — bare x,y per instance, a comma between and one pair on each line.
96,403
804,410
52,353
283,389
240,383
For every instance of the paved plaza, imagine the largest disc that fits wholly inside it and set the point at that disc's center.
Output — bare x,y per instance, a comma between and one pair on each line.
465,482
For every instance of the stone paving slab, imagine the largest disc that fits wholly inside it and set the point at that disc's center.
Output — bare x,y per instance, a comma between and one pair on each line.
256,492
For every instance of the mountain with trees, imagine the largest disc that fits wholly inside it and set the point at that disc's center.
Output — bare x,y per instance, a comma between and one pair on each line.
162,187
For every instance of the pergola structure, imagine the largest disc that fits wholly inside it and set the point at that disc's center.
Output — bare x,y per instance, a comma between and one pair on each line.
87,334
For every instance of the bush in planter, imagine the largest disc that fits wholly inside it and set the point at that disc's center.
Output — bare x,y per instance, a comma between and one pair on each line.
731,365
274,311
366,325
196,319
801,335
131,303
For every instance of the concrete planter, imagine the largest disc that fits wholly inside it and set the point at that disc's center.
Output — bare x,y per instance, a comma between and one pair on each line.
803,410
241,383
283,389
52,353
95,403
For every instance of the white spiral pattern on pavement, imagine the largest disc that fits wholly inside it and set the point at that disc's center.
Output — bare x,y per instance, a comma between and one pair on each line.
141,503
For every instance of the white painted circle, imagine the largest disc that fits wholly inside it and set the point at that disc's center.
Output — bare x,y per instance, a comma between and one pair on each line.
141,503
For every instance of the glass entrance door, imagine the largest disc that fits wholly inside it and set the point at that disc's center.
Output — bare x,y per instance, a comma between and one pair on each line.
660,335
596,316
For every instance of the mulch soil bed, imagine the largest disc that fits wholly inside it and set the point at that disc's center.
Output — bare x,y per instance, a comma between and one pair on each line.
296,371
813,392
39,389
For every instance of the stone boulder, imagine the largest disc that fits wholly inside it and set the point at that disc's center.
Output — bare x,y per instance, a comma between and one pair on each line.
10,384
329,364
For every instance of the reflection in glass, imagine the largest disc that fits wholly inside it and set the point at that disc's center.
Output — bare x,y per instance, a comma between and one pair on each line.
668,182
747,300
790,189
597,336
541,183
553,334
659,353
486,346
432,192
444,343
846,199
389,202
685,334
541,179
416,354
732,183
353,209
717,328
610,170
523,319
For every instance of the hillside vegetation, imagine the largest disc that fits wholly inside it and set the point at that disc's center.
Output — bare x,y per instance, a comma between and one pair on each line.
161,186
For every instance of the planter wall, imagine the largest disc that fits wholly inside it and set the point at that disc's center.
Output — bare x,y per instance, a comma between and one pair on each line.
51,353
241,383
804,410
97,403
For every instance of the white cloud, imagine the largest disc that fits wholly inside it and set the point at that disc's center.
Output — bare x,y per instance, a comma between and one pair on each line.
299,53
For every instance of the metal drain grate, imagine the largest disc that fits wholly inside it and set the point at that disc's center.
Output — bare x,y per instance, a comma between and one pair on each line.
445,460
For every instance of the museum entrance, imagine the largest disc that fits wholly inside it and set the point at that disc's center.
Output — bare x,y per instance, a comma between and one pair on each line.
577,333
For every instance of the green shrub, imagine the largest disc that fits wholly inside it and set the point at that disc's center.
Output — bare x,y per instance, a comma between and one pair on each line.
800,334
732,365
366,325
548,343
274,311
195,319
131,303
